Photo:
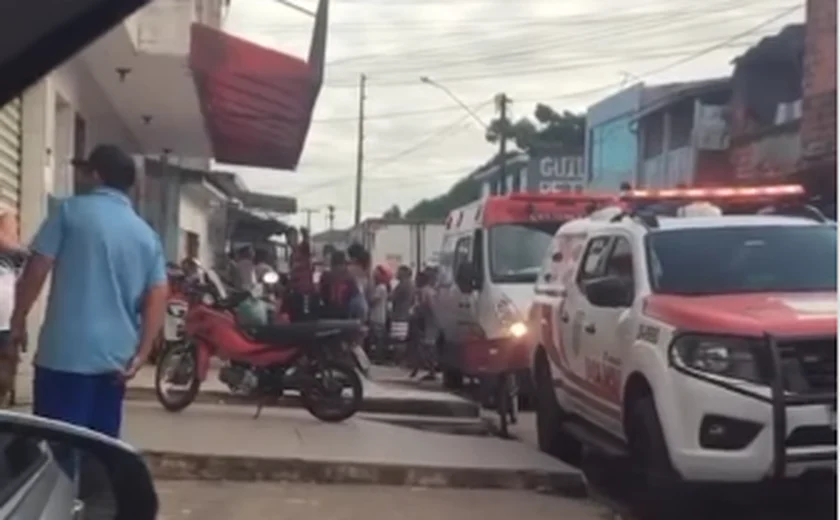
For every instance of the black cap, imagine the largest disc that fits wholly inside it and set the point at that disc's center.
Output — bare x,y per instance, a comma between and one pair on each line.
104,158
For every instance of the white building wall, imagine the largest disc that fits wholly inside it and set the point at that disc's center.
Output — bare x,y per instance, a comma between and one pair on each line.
195,217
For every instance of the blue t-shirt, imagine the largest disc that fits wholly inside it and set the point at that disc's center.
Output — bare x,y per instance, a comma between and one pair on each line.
105,259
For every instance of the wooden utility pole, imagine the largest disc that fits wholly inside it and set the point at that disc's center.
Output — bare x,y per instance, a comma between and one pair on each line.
331,216
360,152
502,101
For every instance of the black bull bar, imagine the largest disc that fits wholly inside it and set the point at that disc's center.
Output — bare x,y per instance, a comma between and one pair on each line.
780,402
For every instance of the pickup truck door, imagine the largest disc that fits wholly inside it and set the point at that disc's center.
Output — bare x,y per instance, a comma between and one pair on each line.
574,323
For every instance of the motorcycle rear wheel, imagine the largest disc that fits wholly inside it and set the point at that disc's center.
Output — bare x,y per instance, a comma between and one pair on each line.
321,382
185,398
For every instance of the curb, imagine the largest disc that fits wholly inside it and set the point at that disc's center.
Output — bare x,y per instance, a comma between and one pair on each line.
423,407
174,466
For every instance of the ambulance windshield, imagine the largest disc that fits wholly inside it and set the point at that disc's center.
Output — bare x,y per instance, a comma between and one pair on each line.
731,260
517,250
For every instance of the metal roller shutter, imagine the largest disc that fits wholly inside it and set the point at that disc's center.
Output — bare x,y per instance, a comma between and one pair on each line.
10,152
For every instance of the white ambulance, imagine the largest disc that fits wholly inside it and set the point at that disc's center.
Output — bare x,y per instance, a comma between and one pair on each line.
699,346
499,243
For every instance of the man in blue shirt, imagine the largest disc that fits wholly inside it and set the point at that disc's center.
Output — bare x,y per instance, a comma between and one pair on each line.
107,299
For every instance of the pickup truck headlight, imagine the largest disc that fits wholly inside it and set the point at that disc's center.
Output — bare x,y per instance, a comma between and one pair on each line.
721,356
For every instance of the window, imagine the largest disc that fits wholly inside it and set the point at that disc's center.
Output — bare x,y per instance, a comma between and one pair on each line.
516,251
620,261
446,258
592,265
462,253
732,260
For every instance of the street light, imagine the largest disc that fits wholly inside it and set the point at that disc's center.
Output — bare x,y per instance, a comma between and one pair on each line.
429,81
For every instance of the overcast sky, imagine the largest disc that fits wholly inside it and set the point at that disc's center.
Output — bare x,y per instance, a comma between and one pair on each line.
418,140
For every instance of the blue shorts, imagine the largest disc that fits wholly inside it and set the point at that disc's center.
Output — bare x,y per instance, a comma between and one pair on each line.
93,401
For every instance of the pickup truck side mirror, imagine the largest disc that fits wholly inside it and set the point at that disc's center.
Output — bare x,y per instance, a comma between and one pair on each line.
610,291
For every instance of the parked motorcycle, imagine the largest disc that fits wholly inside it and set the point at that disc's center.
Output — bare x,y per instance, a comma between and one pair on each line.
260,359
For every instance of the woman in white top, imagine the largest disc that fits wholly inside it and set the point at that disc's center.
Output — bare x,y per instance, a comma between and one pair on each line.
10,255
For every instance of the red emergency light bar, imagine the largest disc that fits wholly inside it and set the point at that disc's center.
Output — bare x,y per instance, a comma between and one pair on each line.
745,193
561,198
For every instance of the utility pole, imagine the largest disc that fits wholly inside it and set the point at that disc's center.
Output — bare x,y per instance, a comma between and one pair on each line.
360,153
502,101
309,212
331,216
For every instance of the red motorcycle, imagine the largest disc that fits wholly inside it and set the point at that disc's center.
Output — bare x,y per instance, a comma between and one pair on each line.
260,360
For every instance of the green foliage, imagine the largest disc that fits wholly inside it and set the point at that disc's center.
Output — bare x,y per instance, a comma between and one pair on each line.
553,132
393,213
463,192
550,132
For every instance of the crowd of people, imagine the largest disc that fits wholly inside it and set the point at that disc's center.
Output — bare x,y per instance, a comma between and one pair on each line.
396,307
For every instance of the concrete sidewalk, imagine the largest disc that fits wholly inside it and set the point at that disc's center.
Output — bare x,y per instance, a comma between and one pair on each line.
207,442
378,397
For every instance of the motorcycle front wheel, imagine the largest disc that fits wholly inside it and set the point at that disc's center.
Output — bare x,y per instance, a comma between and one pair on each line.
332,392
177,365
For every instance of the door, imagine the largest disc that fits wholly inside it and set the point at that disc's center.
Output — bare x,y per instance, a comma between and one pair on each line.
10,155
604,336
575,351
458,308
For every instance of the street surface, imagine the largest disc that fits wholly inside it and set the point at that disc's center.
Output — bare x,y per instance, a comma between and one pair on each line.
253,501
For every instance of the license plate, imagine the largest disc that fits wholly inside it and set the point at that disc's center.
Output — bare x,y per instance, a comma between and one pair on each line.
361,357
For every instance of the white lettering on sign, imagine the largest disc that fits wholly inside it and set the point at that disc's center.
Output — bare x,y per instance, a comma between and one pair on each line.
566,168
560,187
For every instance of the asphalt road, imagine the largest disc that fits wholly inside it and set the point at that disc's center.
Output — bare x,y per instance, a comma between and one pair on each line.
190,500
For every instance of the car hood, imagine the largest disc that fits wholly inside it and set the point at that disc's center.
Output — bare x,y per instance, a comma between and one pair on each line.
37,36
783,314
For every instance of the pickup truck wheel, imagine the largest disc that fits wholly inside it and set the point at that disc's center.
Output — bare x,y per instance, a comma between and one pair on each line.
659,490
551,439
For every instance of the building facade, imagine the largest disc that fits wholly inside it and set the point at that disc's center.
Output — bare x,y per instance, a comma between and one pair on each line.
819,100
611,146
683,135
766,109
152,86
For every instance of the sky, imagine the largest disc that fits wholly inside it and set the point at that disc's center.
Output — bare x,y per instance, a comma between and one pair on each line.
418,139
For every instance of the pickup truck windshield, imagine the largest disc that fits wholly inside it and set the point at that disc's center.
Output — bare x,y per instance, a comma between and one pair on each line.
735,260
517,251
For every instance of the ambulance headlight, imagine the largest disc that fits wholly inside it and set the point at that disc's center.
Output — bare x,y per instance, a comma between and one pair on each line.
726,357
518,330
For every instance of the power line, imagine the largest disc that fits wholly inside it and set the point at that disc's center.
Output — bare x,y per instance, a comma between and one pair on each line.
674,6
685,59
607,26
422,142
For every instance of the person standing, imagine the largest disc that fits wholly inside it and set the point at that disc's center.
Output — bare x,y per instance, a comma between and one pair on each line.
301,281
402,299
379,314
244,272
107,297
11,255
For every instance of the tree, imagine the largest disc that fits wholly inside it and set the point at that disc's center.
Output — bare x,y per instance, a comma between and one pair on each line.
392,213
548,132
552,132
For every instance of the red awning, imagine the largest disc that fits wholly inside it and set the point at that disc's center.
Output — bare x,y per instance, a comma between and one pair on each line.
257,103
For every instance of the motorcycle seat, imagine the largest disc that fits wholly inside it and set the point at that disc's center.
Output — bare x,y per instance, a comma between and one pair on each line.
305,332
